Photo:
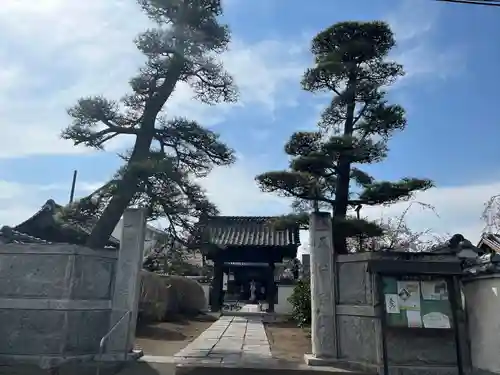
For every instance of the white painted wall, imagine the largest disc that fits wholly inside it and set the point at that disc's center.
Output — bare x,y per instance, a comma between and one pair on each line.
482,299
206,290
283,306
150,236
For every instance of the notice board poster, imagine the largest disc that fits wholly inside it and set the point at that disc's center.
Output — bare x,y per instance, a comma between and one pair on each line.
415,302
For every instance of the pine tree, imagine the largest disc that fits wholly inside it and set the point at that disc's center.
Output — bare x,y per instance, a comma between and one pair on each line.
183,47
168,193
351,64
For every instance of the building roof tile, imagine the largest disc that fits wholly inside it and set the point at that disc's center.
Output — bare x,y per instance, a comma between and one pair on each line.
75,233
249,231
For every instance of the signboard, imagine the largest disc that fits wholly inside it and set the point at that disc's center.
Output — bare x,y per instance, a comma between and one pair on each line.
417,302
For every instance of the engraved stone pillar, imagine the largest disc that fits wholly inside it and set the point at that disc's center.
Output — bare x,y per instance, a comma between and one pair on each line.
323,330
127,287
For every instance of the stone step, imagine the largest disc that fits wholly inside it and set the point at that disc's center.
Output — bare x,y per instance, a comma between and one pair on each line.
268,368
107,368
148,368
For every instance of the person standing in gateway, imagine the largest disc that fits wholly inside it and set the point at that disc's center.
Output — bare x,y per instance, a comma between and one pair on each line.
253,289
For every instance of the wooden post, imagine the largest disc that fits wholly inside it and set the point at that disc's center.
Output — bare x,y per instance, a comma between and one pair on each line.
271,288
216,302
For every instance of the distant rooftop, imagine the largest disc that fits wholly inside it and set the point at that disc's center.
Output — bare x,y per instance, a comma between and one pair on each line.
490,241
9,235
44,225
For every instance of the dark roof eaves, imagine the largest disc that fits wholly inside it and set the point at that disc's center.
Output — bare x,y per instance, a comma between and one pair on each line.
49,207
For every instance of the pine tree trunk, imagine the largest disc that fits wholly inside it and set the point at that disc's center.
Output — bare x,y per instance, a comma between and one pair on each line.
343,174
127,187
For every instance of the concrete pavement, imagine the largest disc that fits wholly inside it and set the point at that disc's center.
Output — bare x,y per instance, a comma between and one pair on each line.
231,344
232,339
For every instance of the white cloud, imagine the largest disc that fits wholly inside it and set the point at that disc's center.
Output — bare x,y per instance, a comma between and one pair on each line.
54,51
19,202
458,209
411,20
59,50
414,25
234,190
424,61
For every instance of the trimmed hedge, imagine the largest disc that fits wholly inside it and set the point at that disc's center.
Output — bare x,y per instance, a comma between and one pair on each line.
163,296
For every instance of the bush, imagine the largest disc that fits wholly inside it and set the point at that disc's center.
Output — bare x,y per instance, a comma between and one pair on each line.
154,298
166,296
301,302
187,296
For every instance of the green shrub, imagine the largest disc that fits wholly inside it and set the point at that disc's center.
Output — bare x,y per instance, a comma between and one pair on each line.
301,302
165,296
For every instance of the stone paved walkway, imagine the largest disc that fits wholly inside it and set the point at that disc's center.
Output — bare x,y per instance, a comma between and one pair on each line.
249,308
230,340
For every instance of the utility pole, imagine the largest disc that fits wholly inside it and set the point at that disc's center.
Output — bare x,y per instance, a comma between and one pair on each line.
73,186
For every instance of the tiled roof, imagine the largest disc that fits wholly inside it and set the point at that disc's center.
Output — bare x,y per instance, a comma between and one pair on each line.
69,232
248,231
9,235
490,241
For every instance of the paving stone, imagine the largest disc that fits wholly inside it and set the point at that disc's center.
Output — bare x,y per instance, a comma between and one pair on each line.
233,358
255,347
224,353
230,341
226,349
207,341
192,361
201,348
257,340
193,353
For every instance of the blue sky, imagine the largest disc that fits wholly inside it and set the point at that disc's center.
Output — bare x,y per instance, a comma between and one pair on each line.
54,51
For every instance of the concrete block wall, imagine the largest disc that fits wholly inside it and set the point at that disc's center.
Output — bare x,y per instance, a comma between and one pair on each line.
358,325
359,328
55,299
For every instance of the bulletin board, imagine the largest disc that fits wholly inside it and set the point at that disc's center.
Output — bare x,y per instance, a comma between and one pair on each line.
417,302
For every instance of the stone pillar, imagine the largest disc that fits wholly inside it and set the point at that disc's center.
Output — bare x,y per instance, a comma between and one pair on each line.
127,286
323,324
217,281
271,287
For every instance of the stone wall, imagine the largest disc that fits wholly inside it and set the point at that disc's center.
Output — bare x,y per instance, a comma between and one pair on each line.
55,299
358,325
359,328
284,306
482,297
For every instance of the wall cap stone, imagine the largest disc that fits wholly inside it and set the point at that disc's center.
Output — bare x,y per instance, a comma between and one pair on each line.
483,276
55,249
